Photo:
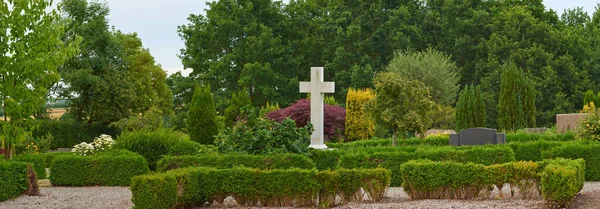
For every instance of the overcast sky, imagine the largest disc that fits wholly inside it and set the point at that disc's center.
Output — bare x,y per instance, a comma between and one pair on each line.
156,23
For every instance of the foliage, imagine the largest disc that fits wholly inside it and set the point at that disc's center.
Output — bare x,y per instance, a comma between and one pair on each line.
359,124
150,144
265,137
30,55
532,150
151,119
521,136
588,108
401,104
586,151
347,183
36,161
589,97
376,142
14,179
113,76
101,143
445,118
333,119
67,133
516,103
433,68
153,191
561,180
266,162
104,170
269,107
589,126
233,112
330,100
325,159
470,109
201,122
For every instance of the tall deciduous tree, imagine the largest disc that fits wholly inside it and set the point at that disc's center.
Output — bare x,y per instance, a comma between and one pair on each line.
202,122
400,104
516,105
31,50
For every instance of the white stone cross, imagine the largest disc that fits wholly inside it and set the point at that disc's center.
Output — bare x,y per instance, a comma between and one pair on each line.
316,87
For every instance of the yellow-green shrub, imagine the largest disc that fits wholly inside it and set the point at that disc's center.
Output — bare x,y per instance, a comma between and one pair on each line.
359,125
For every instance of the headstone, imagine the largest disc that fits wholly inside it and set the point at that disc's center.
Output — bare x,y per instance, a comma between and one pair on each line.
540,130
316,87
477,136
568,122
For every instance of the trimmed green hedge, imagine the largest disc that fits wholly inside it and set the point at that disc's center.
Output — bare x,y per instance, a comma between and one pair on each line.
38,162
267,162
486,155
69,133
153,191
530,137
532,150
14,179
325,159
105,170
430,141
560,179
590,152
249,187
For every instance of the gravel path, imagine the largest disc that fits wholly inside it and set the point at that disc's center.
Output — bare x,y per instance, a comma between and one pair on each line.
120,197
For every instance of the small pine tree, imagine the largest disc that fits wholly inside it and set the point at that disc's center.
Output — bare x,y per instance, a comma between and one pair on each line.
234,112
588,97
359,124
516,103
269,107
201,122
470,109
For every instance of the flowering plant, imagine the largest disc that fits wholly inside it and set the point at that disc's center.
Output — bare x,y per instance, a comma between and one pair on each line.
100,143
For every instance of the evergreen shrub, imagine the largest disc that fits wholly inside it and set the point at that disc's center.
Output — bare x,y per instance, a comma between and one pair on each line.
264,162
359,124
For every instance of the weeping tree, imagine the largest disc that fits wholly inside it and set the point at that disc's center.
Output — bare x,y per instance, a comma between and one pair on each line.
31,50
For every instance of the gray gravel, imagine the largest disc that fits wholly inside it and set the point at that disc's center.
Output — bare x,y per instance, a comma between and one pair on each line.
120,197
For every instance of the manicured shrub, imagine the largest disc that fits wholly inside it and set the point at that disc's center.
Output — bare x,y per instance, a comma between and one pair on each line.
268,162
425,179
201,120
49,157
105,170
36,160
485,155
153,191
390,161
325,159
151,144
561,181
333,119
521,136
470,109
16,178
265,137
376,142
532,151
359,124
67,133
588,151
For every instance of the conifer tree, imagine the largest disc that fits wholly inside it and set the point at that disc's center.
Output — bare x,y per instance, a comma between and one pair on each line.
516,103
201,122
470,109
234,112
359,124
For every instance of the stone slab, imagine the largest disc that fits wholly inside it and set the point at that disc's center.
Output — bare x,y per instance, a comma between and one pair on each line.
567,122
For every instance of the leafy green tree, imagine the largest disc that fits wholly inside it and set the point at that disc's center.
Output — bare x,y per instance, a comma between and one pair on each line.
31,50
435,69
401,104
516,106
470,109
201,122
113,76
234,111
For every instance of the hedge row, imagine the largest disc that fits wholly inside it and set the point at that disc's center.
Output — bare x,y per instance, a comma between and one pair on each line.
250,187
16,178
69,133
486,155
590,152
529,137
105,170
38,162
268,162
560,179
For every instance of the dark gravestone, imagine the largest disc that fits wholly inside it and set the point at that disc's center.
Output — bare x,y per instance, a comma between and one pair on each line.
477,136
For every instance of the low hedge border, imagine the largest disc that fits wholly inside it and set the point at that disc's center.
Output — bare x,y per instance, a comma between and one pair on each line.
559,179
36,160
17,178
486,155
588,151
253,187
104,170
268,162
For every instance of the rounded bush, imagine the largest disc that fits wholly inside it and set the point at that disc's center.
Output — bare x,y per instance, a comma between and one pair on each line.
150,144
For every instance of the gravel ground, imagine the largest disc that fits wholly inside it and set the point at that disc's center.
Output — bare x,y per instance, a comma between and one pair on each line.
120,197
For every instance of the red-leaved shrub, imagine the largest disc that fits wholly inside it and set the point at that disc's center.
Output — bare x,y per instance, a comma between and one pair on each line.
334,117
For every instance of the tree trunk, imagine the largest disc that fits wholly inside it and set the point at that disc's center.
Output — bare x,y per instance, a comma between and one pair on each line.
394,138
8,151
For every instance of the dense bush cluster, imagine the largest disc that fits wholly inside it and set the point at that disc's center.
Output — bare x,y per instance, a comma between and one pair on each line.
587,151
111,168
268,162
265,137
589,126
333,119
16,178
252,187
560,180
